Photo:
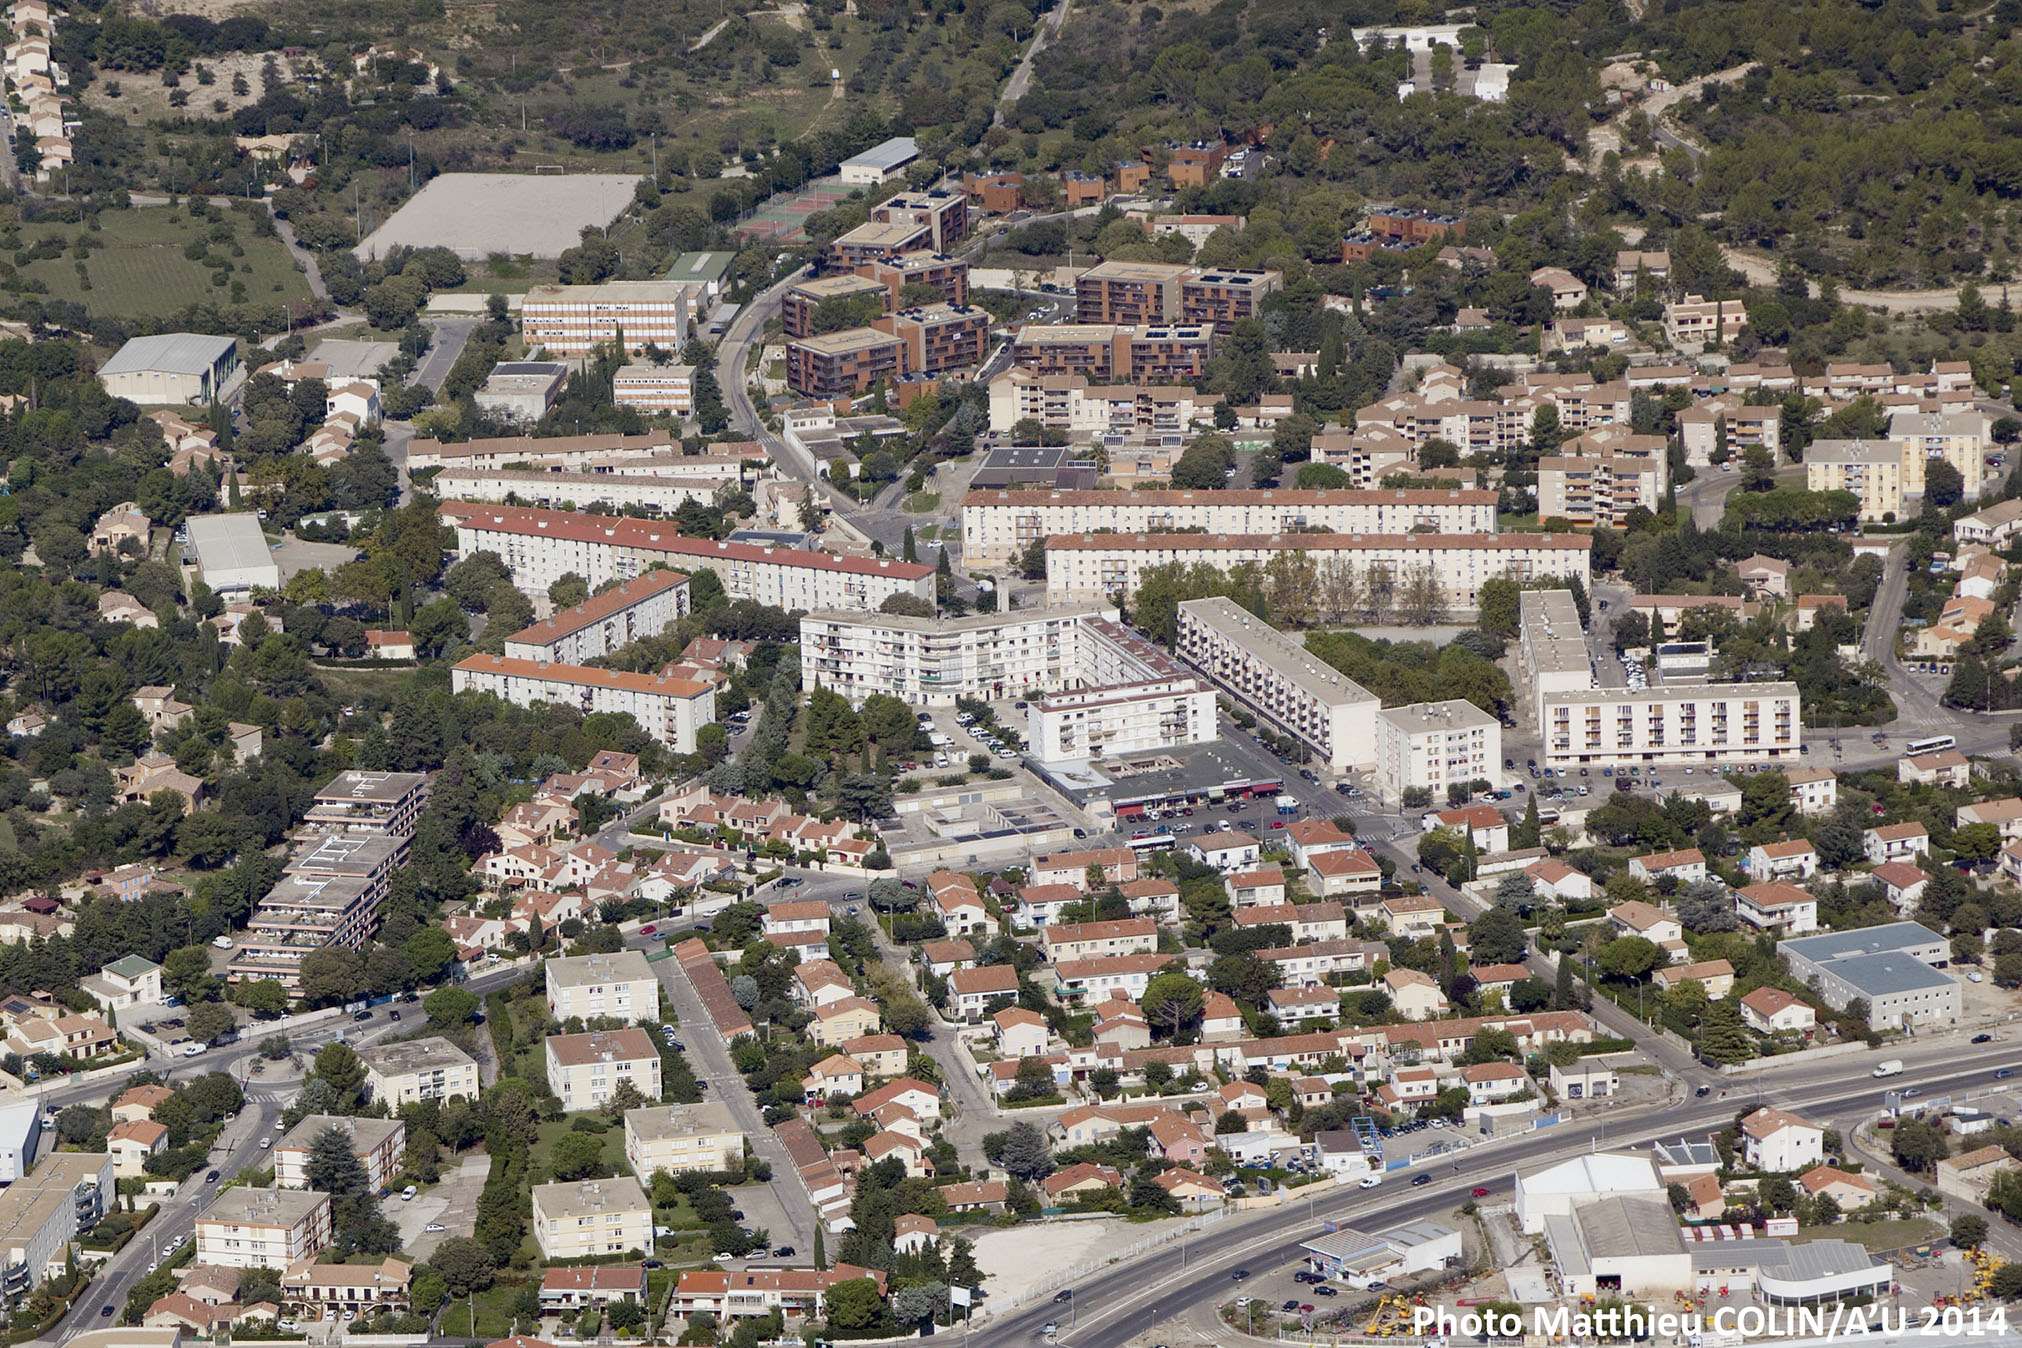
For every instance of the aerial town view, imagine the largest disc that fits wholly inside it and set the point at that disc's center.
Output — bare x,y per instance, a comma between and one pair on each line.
1104,673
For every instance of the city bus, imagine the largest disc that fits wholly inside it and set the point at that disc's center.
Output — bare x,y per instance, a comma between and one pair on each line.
1932,745
1153,842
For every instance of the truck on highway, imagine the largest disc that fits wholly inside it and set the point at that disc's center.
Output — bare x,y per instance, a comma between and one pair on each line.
1892,1068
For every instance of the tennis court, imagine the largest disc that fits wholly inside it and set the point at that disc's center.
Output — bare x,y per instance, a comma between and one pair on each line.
780,219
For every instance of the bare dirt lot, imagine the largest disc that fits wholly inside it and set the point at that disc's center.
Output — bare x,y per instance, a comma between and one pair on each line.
143,98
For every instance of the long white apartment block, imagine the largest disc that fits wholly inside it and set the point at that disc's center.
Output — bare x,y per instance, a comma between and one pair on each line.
669,709
643,489
998,525
539,547
1277,679
1433,745
1074,403
573,320
1552,654
1700,723
655,452
645,606
1124,718
932,661
1084,567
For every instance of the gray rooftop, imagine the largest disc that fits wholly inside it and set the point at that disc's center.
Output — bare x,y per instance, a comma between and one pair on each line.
1420,718
656,1122
365,1134
229,542
897,151
175,352
1811,1260
244,1206
1286,657
1552,632
1835,945
1628,1227
590,1198
1697,692
576,971
415,1055
1685,1152
1888,974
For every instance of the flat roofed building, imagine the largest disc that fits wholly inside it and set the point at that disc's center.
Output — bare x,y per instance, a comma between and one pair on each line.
232,553
1702,723
263,1228
573,320
1601,488
1145,353
42,1212
949,275
1118,291
942,211
677,1138
376,1143
1129,718
619,985
644,606
418,1069
1695,321
804,299
1872,470
1222,298
940,337
933,661
557,454
1895,968
1552,654
1433,745
1275,677
1099,566
358,801
648,387
584,1218
542,546
174,367
585,1070
841,364
522,390
1081,406
997,526
672,710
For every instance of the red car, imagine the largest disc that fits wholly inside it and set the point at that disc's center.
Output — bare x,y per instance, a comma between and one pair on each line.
1480,1191
648,929
1277,823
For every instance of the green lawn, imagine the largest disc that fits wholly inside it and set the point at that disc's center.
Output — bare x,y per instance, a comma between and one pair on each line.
493,1309
613,1139
137,269
1895,1234
923,502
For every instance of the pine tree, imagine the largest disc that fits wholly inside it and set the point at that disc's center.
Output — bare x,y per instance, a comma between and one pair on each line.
1562,991
820,1247
909,548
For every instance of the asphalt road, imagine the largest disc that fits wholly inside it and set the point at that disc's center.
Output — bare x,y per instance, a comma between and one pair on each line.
1118,1303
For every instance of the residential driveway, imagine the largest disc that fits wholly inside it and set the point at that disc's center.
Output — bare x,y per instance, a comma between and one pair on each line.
452,1203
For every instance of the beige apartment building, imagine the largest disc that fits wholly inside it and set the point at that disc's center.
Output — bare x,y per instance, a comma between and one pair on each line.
573,320
585,1070
1087,723
619,986
418,1069
655,388
263,1228
1432,745
42,1212
1374,571
670,709
677,1138
369,802
933,661
1702,723
1274,677
1600,489
1960,438
1695,321
1084,407
997,526
377,1143
586,1218
645,606
1870,469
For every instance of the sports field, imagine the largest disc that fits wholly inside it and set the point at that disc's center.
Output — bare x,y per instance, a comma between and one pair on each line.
138,269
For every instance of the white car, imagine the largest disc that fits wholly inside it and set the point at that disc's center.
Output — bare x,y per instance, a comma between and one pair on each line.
722,1258
1369,1181
266,1142
192,1050
435,1228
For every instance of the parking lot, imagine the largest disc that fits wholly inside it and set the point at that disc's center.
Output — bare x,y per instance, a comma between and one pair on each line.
449,1208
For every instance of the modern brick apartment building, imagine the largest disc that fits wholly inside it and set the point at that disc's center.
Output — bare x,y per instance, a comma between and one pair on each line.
940,336
838,364
946,274
797,306
1151,353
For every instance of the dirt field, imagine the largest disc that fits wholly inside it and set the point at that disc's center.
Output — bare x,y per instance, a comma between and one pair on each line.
205,9
143,97
1018,1257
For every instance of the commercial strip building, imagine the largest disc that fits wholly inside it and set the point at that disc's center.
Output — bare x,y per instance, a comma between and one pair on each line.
678,1138
1897,969
1274,677
997,526
418,1069
573,320
232,554
42,1212
579,1219
263,1228
1145,353
644,606
1376,569
1430,746
668,708
1700,723
539,547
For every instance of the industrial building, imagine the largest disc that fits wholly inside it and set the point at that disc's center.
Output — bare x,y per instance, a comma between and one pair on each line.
172,368
232,554
1897,969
